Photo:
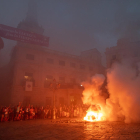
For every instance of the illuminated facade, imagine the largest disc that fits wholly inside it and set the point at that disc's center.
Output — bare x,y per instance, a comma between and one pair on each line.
41,66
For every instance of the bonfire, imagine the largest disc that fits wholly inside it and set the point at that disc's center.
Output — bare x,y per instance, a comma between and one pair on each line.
94,113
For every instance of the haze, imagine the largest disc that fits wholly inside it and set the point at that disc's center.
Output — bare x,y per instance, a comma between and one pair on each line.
76,25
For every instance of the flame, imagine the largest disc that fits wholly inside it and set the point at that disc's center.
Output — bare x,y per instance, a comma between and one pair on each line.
94,114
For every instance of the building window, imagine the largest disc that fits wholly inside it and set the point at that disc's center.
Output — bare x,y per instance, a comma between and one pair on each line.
82,66
62,63
73,65
50,61
48,80
91,68
113,57
29,76
62,79
49,77
29,56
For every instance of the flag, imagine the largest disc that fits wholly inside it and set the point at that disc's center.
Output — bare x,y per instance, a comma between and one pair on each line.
28,86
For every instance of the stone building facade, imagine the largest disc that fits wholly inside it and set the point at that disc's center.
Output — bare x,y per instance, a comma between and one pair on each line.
33,68
125,49
41,67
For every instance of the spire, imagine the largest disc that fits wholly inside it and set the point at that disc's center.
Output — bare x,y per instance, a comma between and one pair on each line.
31,22
32,12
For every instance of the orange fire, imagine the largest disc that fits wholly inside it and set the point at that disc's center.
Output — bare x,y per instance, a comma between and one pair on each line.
93,116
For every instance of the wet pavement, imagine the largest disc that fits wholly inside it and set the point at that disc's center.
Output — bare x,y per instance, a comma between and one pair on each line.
66,130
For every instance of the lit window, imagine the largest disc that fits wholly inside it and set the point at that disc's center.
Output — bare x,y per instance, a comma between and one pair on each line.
29,76
49,78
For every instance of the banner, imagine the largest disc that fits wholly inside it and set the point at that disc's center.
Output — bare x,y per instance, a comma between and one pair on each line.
23,36
28,86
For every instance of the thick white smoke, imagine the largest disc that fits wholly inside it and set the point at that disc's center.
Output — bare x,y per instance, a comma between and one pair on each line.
123,84
124,88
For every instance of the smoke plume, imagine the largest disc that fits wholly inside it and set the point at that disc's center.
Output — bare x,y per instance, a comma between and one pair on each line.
123,84
92,95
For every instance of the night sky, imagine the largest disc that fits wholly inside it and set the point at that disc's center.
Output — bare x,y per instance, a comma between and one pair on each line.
76,25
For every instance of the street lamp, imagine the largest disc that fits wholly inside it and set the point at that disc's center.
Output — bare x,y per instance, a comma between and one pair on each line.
54,86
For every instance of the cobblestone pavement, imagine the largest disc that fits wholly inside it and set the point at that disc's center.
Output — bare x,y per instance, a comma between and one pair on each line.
47,130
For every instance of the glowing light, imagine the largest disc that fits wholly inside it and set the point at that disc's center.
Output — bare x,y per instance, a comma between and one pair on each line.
93,116
26,77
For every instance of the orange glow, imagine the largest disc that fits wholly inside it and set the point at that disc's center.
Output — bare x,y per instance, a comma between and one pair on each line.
93,116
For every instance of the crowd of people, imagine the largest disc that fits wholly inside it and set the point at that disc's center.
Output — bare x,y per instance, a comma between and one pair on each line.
30,112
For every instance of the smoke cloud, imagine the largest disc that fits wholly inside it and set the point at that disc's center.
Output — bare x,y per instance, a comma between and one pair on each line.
92,95
123,86
123,80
